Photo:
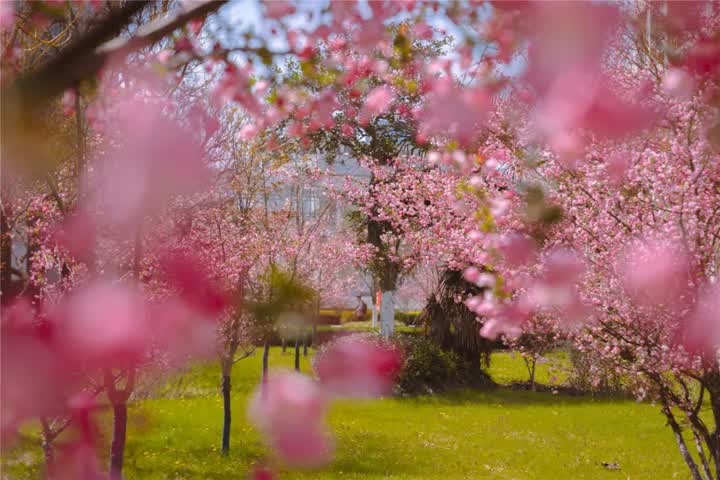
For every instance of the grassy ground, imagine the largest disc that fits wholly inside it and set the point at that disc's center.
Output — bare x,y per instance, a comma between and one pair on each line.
498,434
366,326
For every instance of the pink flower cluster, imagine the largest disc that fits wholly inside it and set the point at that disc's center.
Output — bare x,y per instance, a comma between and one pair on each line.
289,409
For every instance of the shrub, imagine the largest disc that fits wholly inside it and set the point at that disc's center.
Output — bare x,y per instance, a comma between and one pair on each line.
588,374
408,318
426,367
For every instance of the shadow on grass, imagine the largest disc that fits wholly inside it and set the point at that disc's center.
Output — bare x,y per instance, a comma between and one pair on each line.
511,395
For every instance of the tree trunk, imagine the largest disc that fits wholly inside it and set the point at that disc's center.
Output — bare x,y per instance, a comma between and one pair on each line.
47,439
681,443
266,352
387,313
284,345
227,417
297,352
117,448
47,454
305,341
532,374
5,254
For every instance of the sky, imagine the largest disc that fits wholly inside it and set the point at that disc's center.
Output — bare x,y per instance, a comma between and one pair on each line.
241,16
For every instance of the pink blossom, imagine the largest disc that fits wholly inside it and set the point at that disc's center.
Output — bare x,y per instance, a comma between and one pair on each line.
289,410
678,83
248,132
617,165
78,235
262,473
568,41
193,283
563,268
154,160
486,280
181,331
492,328
377,102
357,366
423,31
704,57
77,461
69,98
278,8
655,273
517,249
347,130
7,15
473,303
103,322
567,36
701,332
455,113
32,377
471,274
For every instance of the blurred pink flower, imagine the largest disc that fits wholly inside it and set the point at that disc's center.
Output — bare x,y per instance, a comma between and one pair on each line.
492,328
78,235
151,160
617,165
278,8
377,103
562,268
567,44
289,410
471,274
357,366
103,322
194,284
701,332
678,83
31,384
7,15
655,273
517,249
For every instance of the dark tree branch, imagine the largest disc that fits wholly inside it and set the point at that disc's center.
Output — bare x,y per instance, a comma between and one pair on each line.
88,54
78,60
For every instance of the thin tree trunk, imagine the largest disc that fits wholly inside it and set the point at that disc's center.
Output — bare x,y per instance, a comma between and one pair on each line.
118,399
297,352
227,417
266,352
5,252
284,345
681,444
305,341
117,448
701,453
47,439
532,374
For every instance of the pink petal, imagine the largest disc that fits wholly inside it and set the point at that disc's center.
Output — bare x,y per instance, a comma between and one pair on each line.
357,366
377,103
104,322
655,273
289,411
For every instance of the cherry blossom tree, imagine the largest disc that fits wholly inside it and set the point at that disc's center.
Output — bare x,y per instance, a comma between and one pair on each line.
616,242
609,128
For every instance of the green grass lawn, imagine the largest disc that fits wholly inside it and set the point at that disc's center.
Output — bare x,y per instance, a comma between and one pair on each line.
496,434
366,326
